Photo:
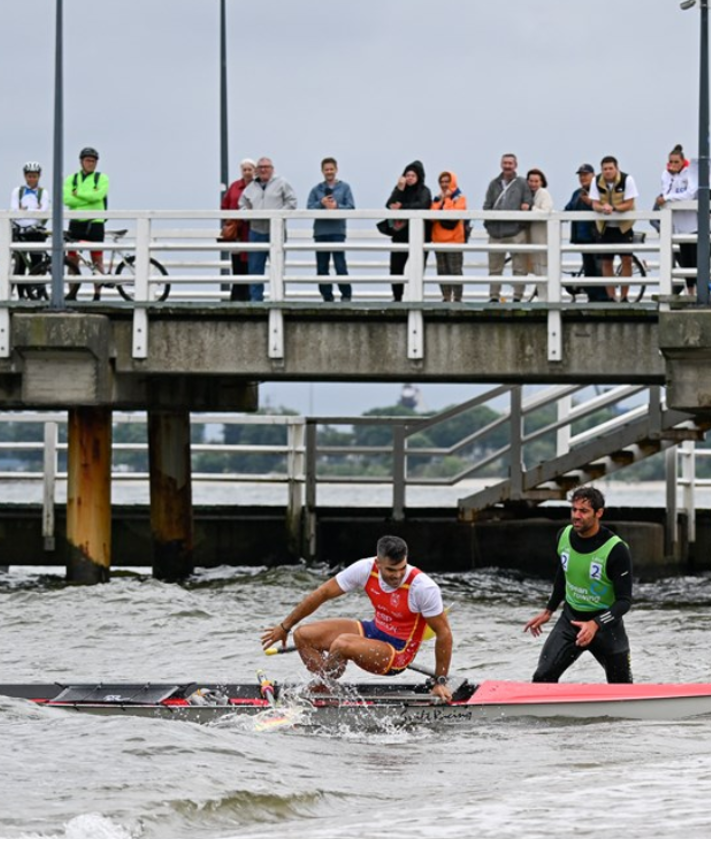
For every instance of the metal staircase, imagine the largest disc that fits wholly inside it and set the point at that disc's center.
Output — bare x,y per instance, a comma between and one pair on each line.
629,437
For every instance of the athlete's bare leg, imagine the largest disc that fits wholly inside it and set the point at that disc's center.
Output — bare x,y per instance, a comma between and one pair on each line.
314,642
326,647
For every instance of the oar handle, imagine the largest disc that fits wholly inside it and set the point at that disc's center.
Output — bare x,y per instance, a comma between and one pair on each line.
280,649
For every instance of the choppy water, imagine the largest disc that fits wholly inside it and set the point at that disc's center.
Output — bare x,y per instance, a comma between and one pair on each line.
75,776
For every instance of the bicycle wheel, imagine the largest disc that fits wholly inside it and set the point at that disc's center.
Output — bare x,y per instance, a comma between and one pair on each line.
159,290
636,283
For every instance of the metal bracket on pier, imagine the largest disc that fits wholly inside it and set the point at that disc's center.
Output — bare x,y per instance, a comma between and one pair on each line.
555,322
415,290
141,288
276,287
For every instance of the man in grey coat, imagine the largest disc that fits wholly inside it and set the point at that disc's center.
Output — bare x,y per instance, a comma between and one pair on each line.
507,192
266,192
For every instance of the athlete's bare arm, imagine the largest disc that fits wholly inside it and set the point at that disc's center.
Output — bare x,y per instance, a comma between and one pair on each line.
324,593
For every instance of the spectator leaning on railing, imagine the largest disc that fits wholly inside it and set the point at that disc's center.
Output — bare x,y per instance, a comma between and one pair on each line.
30,196
450,232
507,191
680,183
266,192
237,230
585,233
86,189
538,231
614,192
331,194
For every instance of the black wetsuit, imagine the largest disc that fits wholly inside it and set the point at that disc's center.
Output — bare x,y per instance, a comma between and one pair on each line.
610,646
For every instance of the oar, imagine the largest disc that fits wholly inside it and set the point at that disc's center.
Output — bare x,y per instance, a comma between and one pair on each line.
266,688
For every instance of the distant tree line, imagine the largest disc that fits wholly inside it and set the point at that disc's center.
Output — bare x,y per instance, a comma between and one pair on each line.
372,462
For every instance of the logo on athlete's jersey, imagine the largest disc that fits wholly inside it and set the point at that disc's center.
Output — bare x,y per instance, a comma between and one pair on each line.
395,600
564,558
595,570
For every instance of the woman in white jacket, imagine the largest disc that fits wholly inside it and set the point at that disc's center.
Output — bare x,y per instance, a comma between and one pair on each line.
537,231
680,183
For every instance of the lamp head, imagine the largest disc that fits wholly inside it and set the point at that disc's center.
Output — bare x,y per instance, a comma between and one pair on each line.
687,4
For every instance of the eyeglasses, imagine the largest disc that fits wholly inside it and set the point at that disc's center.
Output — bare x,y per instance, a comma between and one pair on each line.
265,166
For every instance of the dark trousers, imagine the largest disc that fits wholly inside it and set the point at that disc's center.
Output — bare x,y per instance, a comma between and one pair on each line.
688,259
610,647
591,268
323,260
257,263
239,292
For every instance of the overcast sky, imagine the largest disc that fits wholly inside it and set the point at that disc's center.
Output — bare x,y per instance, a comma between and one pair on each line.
377,83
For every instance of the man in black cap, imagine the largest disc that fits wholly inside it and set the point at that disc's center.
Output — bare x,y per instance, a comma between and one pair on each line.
585,232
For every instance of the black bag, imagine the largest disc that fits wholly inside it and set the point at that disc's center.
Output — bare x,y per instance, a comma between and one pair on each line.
385,227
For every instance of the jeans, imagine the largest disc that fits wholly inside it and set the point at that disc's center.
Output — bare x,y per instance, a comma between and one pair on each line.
257,263
323,258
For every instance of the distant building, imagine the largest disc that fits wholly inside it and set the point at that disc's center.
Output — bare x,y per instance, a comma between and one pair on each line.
411,397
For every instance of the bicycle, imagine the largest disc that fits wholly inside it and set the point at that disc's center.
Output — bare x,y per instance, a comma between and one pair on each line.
125,288
31,263
637,286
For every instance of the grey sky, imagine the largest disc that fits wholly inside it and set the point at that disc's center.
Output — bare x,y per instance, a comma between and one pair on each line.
377,83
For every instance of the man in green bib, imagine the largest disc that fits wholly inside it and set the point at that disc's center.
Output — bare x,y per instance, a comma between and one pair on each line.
595,579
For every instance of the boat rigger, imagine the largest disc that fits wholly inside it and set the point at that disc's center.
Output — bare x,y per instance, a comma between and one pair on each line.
398,702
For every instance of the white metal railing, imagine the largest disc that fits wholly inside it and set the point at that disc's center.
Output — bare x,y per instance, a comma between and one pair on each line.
522,420
186,244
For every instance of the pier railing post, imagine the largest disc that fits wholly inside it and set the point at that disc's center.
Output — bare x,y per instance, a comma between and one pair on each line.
309,541
399,469
415,291
49,484
555,324
516,446
295,473
277,263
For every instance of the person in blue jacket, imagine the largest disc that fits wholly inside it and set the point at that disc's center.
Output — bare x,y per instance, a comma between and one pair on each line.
585,233
331,194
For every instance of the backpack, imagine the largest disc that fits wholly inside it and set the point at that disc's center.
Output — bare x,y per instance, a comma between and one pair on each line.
75,184
24,189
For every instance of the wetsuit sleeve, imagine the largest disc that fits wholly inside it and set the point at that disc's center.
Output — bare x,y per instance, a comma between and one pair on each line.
619,570
558,593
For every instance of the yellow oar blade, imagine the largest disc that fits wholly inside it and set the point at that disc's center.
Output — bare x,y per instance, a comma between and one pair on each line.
429,633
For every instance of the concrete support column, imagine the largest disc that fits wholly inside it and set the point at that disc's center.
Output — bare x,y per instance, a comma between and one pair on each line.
171,494
89,495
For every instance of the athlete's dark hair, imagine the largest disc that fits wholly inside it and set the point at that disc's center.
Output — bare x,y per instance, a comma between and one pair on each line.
393,548
591,495
678,150
609,159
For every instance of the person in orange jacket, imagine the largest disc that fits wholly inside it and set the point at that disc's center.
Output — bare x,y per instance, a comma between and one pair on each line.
445,232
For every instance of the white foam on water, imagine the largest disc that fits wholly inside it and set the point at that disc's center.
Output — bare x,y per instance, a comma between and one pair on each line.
94,825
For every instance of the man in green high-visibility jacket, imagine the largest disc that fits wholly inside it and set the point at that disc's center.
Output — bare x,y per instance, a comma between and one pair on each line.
594,577
86,189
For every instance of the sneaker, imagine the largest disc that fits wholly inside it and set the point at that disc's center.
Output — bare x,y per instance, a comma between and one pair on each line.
493,300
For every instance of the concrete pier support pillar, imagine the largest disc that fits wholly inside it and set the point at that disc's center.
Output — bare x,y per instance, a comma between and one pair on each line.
171,494
89,495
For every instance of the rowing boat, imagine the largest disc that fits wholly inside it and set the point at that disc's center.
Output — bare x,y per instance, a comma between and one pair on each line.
395,702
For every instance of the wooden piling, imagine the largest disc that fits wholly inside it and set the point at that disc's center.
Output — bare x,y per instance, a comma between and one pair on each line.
89,495
171,494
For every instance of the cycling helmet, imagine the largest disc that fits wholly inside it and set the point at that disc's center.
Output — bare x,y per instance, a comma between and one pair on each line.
88,152
32,166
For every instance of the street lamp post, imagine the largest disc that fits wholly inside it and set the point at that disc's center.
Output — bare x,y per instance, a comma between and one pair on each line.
224,153
57,297
703,271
